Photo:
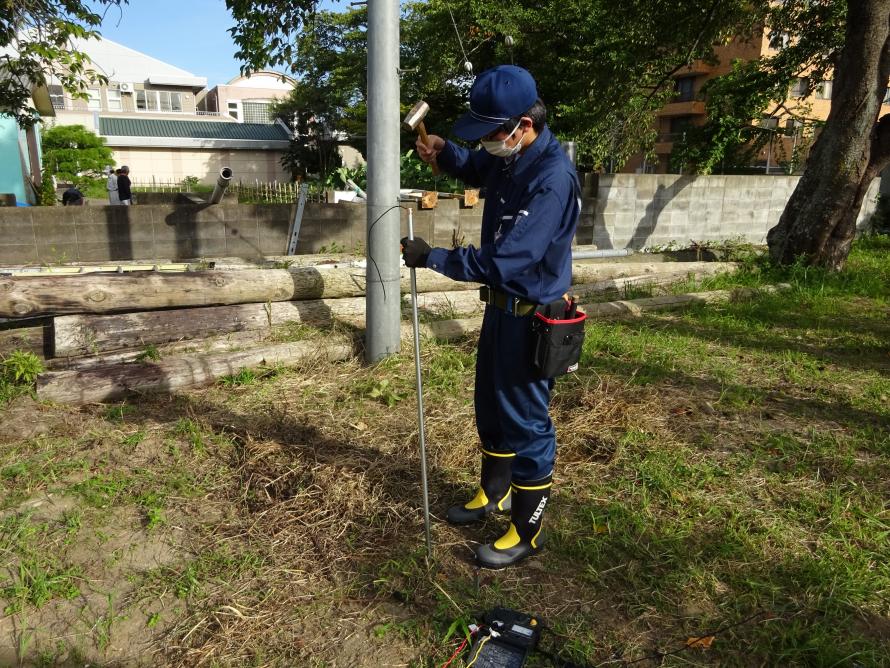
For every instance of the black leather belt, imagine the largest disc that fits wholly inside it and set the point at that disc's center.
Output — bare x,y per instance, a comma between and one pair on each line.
505,302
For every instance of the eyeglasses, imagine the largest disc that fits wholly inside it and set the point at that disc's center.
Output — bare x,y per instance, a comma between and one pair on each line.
508,132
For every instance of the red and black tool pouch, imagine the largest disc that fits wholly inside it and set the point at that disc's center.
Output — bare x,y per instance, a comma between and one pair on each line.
557,344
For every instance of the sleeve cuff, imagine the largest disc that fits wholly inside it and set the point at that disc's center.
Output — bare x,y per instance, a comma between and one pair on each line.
436,260
446,157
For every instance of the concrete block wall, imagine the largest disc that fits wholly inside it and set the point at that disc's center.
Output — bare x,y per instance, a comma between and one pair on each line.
629,211
651,210
52,235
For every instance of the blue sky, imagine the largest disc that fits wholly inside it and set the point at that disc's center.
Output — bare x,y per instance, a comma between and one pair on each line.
191,34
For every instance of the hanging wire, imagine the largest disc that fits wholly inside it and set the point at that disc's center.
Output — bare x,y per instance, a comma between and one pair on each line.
460,41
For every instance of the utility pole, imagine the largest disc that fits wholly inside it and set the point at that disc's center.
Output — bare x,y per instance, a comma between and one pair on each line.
383,300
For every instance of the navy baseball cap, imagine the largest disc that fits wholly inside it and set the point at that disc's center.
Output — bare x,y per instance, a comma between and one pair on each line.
497,95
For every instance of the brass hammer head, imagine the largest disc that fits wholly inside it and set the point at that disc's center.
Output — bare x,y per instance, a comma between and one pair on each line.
416,115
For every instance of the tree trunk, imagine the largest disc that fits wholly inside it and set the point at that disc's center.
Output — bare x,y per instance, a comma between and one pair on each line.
819,221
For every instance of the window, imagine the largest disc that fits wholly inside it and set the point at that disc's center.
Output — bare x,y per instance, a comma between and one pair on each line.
769,122
57,96
257,112
823,90
114,100
94,102
685,89
778,40
680,124
158,100
800,87
233,110
793,126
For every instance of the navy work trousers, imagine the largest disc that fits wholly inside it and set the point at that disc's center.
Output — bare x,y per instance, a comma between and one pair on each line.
512,406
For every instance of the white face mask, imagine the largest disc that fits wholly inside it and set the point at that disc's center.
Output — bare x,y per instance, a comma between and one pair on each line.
499,148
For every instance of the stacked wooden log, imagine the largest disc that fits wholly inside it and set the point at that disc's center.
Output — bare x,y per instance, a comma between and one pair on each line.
94,329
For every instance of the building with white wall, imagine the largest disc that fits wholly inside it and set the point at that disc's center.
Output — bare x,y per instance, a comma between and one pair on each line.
150,116
247,98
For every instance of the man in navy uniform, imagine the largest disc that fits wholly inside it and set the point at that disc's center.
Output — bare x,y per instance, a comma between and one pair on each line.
532,204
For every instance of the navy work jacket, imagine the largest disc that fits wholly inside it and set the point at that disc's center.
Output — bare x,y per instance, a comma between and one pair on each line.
532,204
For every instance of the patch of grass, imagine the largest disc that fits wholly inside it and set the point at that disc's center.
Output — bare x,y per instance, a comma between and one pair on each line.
104,490
35,465
134,439
446,367
190,580
33,576
103,626
153,505
18,373
150,353
291,332
243,377
118,412
721,470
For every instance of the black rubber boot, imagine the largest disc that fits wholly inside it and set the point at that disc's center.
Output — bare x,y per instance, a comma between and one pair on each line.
524,537
494,490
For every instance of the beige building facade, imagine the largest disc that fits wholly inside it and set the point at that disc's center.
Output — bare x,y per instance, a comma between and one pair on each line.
689,109
247,98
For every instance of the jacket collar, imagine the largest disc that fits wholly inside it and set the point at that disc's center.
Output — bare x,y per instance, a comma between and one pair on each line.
524,161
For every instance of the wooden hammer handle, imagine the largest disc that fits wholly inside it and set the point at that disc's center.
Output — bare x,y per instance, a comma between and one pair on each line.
421,131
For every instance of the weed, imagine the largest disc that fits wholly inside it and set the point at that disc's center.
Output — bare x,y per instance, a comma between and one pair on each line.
152,505
20,368
150,352
35,576
243,377
103,491
192,432
119,412
382,391
134,439
73,520
334,248
290,332
18,373
102,627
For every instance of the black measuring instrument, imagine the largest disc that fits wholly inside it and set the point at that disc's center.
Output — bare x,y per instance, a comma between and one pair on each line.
507,641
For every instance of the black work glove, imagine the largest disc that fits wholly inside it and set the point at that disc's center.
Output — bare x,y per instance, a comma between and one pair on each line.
415,251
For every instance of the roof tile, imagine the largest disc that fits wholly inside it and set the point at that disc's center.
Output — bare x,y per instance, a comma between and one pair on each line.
154,127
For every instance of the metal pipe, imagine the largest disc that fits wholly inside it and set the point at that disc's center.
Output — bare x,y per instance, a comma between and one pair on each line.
222,182
382,311
605,252
419,381
358,191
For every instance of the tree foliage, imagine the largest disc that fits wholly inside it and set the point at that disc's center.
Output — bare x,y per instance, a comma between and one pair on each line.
74,154
602,67
35,46
812,32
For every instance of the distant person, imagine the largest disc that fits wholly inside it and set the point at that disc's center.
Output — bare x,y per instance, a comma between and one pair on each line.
72,197
111,186
123,186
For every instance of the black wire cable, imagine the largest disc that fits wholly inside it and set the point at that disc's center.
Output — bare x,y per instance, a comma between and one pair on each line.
368,244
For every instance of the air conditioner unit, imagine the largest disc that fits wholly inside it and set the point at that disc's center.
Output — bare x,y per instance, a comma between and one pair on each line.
126,88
